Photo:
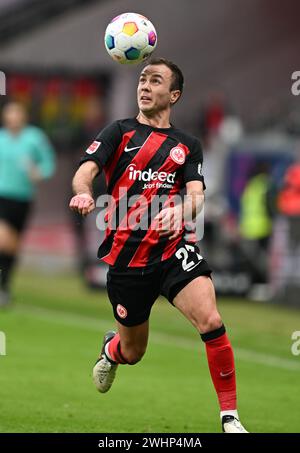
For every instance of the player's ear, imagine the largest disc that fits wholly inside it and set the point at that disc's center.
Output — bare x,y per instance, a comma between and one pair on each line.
175,95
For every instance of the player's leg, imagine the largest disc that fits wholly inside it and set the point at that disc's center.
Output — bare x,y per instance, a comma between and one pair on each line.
13,217
126,346
130,342
132,297
9,246
197,302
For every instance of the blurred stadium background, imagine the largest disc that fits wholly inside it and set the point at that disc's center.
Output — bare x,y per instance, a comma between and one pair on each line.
238,59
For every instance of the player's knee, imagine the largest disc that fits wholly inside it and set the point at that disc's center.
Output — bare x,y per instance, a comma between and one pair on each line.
210,323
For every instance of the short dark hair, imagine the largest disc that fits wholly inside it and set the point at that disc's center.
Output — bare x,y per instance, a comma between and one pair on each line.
178,79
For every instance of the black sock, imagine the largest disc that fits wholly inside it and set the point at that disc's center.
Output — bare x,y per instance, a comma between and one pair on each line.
6,266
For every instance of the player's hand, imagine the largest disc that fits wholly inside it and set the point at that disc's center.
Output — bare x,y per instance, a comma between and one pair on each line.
82,203
169,222
34,174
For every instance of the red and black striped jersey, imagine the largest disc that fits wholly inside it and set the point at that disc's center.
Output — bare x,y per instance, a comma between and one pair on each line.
141,162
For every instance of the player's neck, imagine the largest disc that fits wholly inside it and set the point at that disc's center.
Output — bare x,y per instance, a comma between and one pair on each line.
14,131
158,120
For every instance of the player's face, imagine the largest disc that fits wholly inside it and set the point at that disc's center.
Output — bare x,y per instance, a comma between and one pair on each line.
153,92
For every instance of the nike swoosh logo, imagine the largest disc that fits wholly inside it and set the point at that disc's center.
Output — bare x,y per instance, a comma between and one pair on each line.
195,265
131,149
226,374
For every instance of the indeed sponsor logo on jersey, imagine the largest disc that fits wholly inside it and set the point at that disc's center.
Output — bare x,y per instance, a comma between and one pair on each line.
150,175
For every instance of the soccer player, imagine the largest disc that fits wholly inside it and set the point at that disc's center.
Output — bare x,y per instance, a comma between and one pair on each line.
26,157
143,157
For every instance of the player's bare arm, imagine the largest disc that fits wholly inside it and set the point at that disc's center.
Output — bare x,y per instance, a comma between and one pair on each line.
169,220
194,199
83,201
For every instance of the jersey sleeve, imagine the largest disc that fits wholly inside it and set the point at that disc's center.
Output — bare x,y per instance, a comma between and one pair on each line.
192,170
104,146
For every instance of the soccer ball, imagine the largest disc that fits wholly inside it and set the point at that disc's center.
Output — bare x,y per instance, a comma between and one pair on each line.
130,38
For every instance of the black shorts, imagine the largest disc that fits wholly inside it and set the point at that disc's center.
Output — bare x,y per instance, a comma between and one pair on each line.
133,291
14,212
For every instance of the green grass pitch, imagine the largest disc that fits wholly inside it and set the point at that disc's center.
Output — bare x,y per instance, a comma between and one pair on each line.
53,334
